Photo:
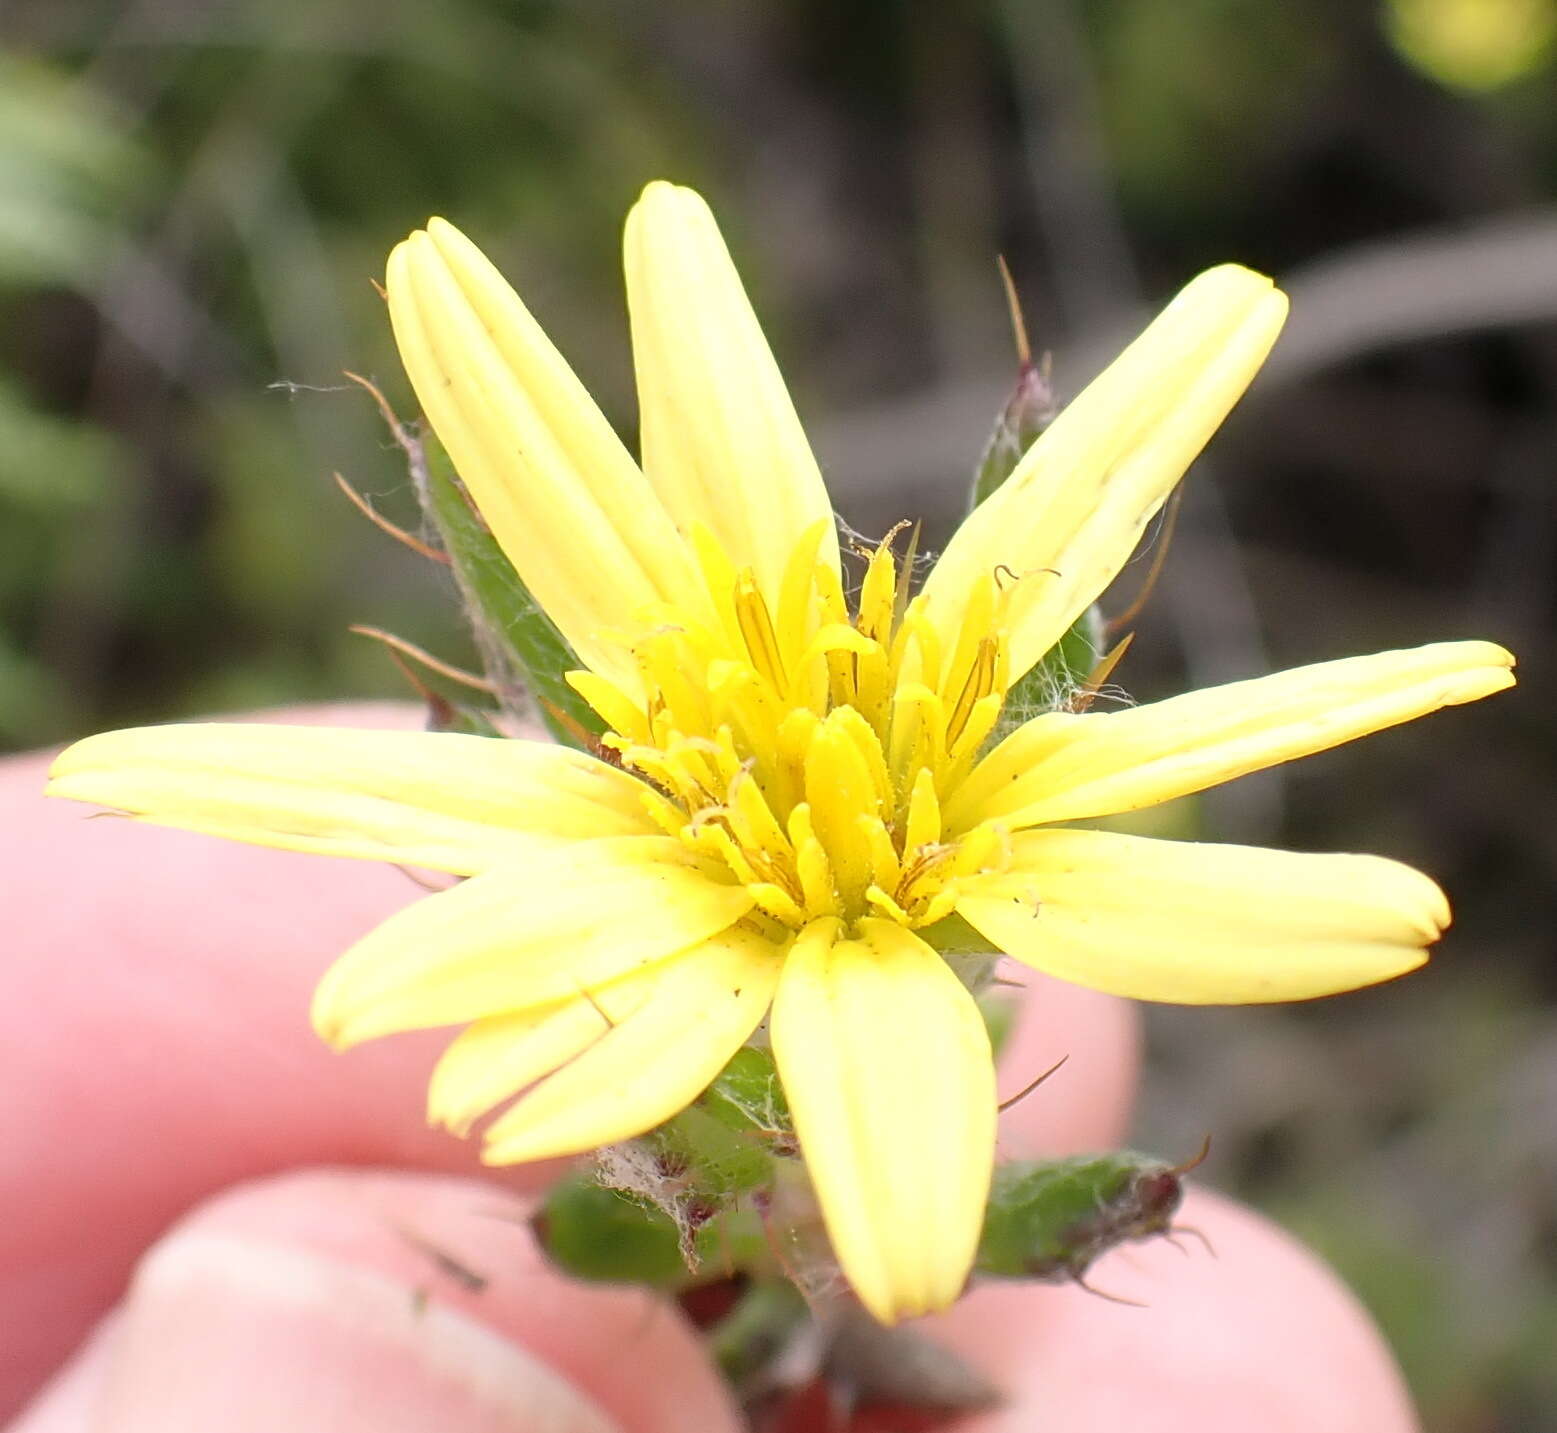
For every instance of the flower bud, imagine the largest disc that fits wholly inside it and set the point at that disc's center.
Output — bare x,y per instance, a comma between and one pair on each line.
1028,411
1049,1220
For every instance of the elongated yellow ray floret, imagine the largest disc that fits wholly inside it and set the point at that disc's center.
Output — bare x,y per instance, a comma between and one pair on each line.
1060,767
1067,519
497,1056
562,496
710,399
441,800
1204,924
526,934
887,1067
660,1057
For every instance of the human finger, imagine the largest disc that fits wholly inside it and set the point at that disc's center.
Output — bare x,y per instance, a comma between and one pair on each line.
363,1300
1260,1335
156,1045
1086,1103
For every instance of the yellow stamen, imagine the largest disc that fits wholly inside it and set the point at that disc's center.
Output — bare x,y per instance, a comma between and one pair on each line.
980,682
756,624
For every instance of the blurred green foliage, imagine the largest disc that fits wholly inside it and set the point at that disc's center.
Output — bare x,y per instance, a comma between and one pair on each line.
195,198
70,180
1200,127
1474,45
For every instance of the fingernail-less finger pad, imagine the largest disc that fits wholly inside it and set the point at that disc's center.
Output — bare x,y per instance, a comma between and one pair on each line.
226,1332
69,1402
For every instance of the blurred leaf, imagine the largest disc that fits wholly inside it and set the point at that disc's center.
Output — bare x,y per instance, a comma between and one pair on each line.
68,175
1191,90
49,462
30,698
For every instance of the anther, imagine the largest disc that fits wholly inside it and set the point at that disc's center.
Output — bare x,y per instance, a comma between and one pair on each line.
756,624
979,683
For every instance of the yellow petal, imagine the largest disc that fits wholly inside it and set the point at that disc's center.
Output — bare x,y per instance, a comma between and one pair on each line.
562,495
1071,514
525,934
720,439
888,1072
1203,924
654,1062
500,1055
1070,768
450,802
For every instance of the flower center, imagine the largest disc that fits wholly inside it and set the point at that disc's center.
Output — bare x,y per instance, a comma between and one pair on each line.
809,749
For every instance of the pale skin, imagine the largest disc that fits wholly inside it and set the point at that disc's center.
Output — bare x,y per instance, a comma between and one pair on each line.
163,1102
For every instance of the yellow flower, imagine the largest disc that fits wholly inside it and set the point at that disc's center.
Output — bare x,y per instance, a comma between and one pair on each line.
802,797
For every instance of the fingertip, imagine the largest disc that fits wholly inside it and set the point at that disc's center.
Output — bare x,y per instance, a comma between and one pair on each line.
346,1300
1260,1335
1086,1104
70,1401
181,967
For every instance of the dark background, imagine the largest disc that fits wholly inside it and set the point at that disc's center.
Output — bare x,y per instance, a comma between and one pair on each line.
195,197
